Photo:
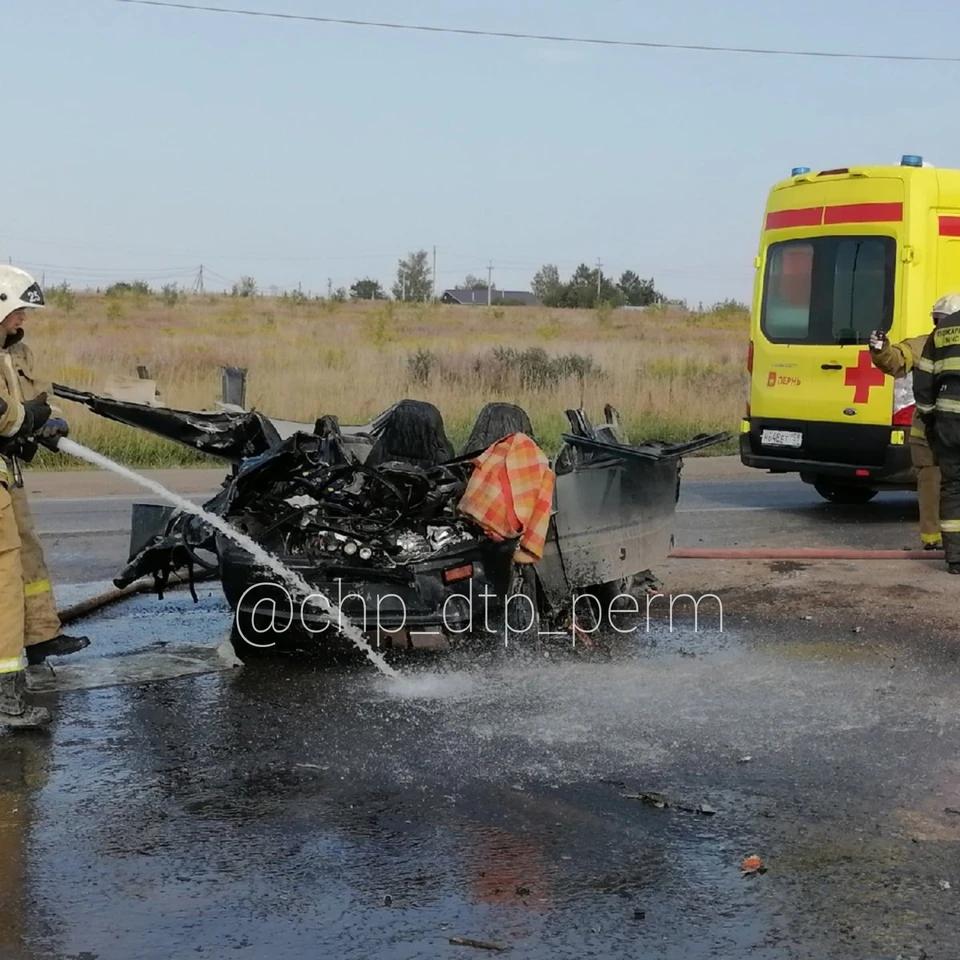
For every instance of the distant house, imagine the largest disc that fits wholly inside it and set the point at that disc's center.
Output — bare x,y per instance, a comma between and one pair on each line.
521,297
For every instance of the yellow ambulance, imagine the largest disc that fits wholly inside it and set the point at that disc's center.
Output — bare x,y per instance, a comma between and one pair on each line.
844,252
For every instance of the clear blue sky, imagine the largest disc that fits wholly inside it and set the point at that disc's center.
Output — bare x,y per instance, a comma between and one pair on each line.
145,141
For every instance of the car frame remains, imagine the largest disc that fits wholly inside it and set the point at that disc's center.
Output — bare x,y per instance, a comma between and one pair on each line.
371,515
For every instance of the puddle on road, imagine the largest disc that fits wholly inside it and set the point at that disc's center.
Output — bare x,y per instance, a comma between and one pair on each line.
164,663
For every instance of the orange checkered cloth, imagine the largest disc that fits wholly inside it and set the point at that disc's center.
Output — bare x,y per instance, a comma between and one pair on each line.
510,495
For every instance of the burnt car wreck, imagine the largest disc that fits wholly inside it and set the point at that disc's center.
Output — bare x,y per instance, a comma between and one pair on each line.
378,519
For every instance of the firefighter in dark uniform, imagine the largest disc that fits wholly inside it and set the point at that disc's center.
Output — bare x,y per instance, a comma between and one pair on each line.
936,388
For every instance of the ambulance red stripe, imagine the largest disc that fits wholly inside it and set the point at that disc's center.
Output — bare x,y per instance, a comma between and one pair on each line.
804,217
842,213
864,213
950,226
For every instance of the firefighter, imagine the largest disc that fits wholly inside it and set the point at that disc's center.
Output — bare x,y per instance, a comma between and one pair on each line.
936,387
898,360
42,627
19,421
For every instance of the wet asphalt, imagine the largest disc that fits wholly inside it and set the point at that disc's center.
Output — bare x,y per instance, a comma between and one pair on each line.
574,804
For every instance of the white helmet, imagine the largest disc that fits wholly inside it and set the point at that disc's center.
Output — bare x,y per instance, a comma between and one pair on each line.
17,290
946,306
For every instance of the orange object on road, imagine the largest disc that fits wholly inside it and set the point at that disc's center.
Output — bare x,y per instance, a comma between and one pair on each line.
752,865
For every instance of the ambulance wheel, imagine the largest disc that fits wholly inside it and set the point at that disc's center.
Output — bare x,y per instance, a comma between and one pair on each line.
844,492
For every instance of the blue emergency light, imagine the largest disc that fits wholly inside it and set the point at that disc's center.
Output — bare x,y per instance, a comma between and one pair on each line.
910,160
796,171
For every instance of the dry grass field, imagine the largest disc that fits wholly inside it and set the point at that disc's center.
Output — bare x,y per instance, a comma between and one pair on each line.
669,374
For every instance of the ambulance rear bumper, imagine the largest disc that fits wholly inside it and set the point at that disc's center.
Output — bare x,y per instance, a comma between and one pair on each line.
887,466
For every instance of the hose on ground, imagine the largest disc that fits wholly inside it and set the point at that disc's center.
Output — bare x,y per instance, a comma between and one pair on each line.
799,553
92,604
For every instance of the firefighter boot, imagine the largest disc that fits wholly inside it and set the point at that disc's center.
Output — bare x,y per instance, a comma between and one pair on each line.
14,711
59,646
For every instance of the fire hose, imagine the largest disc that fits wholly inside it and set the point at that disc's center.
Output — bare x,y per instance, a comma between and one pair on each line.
799,553
92,604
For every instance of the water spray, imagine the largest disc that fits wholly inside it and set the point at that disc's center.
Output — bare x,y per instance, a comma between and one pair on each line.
65,445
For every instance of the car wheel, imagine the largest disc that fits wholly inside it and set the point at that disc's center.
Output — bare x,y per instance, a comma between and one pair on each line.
844,492
244,648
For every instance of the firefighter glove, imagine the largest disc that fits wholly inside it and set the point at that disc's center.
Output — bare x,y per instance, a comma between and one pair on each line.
54,428
36,414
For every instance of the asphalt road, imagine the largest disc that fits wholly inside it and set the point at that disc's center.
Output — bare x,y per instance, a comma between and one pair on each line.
291,810
88,538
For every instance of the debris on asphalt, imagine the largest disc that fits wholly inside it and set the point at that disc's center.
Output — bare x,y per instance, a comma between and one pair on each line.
387,900
952,810
523,891
745,760
858,629
639,914
752,865
479,944
650,798
944,884
662,802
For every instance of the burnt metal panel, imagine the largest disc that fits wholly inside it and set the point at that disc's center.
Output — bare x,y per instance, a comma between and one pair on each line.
612,520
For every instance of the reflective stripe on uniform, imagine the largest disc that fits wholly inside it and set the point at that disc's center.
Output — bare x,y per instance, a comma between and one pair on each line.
17,424
11,665
949,526
925,408
930,538
947,405
918,432
36,587
927,366
947,365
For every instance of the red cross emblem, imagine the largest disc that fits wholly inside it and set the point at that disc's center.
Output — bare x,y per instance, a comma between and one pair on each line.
863,376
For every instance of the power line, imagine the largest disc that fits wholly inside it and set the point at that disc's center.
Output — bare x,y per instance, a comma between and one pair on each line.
554,38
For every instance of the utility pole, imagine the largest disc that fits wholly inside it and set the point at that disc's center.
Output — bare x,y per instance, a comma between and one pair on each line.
489,283
599,278
329,288
403,284
198,283
434,297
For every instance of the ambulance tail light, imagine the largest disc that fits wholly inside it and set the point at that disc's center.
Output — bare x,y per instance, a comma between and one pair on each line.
904,416
903,401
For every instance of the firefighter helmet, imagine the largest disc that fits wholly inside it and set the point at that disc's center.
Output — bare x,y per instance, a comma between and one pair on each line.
946,306
17,290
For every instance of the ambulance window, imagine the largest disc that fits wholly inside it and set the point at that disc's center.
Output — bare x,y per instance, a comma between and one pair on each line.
788,289
828,290
859,287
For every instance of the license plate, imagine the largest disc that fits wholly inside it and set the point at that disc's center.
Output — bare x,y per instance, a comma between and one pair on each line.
781,438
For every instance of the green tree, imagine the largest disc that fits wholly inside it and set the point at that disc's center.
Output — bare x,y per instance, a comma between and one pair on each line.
588,288
414,280
367,289
546,285
475,283
638,292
